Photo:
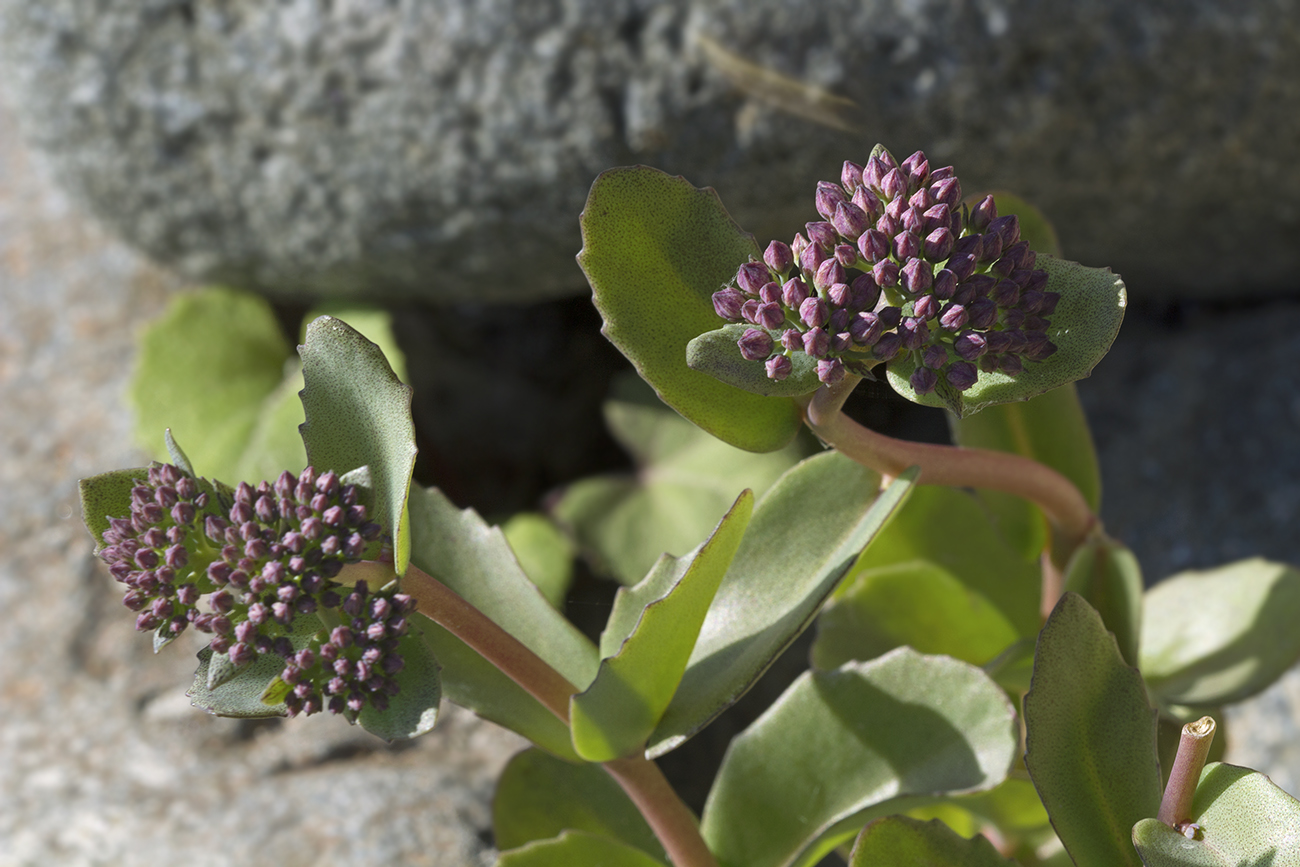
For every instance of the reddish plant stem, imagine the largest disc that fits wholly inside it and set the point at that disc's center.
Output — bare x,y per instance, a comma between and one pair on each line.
1065,507
669,818
1193,749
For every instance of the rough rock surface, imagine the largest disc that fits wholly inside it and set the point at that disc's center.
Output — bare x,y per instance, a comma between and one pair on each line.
444,150
103,760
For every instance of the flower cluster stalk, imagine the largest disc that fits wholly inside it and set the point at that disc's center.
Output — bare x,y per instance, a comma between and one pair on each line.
670,819
1189,761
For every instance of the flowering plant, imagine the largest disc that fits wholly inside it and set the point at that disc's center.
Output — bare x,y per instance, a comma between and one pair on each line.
990,684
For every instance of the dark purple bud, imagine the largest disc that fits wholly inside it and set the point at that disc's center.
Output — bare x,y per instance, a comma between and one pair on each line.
937,217
751,276
850,175
934,356
282,612
319,502
1013,318
256,549
1007,228
970,345
945,284
328,483
241,653
146,558
813,312
913,222
916,167
258,613
177,557
841,342
770,316
244,494
890,316
183,514
779,367
135,600
829,273
141,495
341,637
938,245
992,247
334,516
794,292
850,220
983,214
1031,301
888,346
953,317
166,497
839,295
1011,365
913,332
893,185
830,370
926,307
917,276
868,202
873,245
812,258
946,191
249,530
962,375
873,173
822,235
285,484
792,340
779,257
889,226
866,328
921,200
923,380
816,342
864,292
829,196
1041,351
151,513
846,255
1050,300
962,266
177,535
998,341
333,545
983,313
906,246
153,538
972,245
1005,293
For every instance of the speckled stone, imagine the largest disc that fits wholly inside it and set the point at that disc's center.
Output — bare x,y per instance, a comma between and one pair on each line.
443,150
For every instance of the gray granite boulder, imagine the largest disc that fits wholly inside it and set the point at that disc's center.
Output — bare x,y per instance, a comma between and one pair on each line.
444,150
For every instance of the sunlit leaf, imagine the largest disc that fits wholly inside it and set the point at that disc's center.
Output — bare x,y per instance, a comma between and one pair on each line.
655,249
414,710
902,842
717,353
545,554
240,692
842,747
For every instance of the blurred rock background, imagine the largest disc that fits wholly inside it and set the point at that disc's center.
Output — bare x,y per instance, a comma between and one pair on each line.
440,152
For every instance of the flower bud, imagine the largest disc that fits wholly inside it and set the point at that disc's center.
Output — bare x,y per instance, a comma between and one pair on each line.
779,367
923,380
798,245
727,303
962,375
846,255
779,257
888,226
938,244
1041,351
913,221
816,342
1005,293
953,317
866,328
868,202
873,173
1007,228
830,370
749,310
829,196
945,284
1011,365
983,214
769,294
811,258
822,235
983,313
887,347
926,308
1050,300
992,243
917,276
751,276
962,266
970,345
850,220
946,191
893,185
770,315
839,295
934,356
755,345
890,316
885,272
794,292
814,312
792,340
850,175
864,292
906,246
917,170
913,332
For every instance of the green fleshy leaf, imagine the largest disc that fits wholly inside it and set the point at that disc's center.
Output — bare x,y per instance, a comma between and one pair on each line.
618,712
919,604
1013,807
842,747
1244,819
459,549
373,323
1050,429
1013,668
241,695
545,554
685,480
205,369
1221,635
717,354
178,456
804,537
359,414
1108,577
655,249
1083,328
107,495
902,842
539,796
574,848
1090,738
951,528
414,710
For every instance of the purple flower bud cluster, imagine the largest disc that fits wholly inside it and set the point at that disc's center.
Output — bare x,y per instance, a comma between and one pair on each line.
898,265
241,566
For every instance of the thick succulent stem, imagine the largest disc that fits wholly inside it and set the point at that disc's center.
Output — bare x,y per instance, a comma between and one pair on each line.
669,818
1062,503
1189,761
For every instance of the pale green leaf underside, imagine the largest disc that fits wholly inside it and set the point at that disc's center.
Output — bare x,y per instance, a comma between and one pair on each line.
716,353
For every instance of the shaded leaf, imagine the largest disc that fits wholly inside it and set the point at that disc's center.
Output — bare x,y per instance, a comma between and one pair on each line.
804,537
951,529
919,604
902,842
573,848
539,796
617,713
1221,635
1083,328
718,354
1090,738
107,495
359,414
842,747
414,710
1107,575
545,554
1244,819
655,249
239,693
685,480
